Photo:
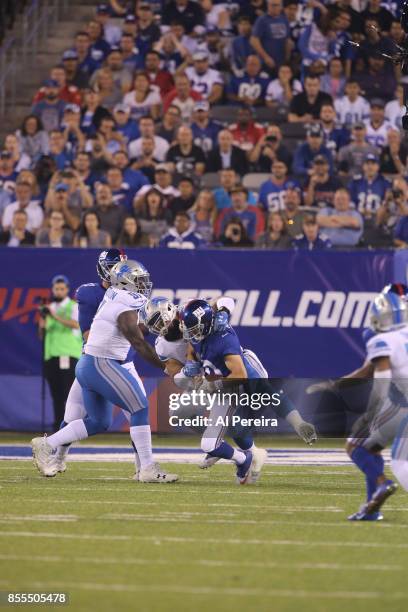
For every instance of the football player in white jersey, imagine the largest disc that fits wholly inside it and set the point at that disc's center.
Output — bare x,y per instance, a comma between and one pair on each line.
388,402
106,380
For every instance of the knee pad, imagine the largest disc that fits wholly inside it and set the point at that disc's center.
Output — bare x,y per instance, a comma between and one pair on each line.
208,445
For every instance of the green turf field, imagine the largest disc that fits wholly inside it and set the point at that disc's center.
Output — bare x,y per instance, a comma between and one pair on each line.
202,544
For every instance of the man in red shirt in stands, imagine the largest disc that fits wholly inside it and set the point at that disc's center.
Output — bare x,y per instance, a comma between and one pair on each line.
245,131
161,78
68,93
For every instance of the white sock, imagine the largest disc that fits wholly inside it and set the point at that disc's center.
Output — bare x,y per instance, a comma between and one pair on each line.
400,470
74,431
238,456
62,452
142,438
137,462
294,419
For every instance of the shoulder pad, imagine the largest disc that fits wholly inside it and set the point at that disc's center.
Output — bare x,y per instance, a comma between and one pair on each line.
84,290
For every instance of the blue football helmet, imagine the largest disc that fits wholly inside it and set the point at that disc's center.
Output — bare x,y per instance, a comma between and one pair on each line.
388,311
196,320
158,314
106,261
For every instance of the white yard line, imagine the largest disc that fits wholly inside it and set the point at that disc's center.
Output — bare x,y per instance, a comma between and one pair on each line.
206,562
158,539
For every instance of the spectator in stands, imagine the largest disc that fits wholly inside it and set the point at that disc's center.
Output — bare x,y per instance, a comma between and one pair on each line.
92,112
373,42
272,192
144,99
133,177
170,123
54,234
378,80
186,158
203,215
50,109
146,127
314,42
240,45
86,63
182,234
99,48
250,88
148,31
182,96
401,233
334,136
392,209
395,109
8,175
24,201
158,77
153,216
235,235
71,120
186,12
57,199
245,132
21,160
380,14
17,234
269,149
90,235
222,194
343,225
205,81
393,157
320,186
352,107
69,93
109,140
281,90
5,200
110,93
131,235
33,138
226,155
377,126
59,152
205,130
306,106
109,214
124,124
334,81
311,239
173,54
111,32
82,164
121,191
146,162
186,200
163,182
351,156
250,216
276,236
293,215
131,58
74,77
368,191
307,151
270,36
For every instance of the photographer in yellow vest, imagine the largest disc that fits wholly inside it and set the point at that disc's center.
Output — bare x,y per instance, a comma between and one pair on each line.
58,326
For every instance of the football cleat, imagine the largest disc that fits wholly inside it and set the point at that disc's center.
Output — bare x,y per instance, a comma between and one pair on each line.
362,515
208,462
153,473
307,432
381,494
43,457
60,464
244,470
135,476
259,457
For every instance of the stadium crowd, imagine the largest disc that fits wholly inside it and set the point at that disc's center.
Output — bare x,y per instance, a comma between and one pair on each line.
187,124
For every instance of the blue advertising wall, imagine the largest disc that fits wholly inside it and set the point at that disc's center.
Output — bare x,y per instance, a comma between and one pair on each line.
301,312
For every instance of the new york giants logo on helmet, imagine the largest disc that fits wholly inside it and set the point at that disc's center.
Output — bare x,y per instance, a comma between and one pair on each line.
196,320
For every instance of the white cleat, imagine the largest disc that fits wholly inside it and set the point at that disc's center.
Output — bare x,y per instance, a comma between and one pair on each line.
43,457
60,465
208,462
259,457
153,473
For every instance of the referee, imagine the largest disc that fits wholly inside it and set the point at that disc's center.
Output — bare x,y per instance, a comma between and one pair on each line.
59,329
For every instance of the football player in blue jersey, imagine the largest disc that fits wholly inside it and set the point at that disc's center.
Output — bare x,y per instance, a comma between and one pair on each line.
219,354
88,296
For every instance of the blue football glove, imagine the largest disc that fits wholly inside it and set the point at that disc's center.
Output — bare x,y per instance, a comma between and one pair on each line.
221,321
192,368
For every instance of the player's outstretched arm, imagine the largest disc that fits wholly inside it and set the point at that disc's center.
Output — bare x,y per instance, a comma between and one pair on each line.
128,325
